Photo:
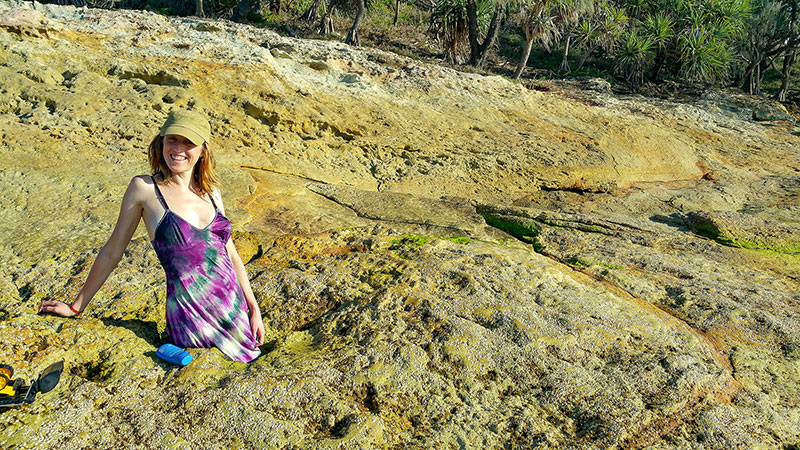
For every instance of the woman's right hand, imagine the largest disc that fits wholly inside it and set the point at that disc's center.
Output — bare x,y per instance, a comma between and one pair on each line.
56,307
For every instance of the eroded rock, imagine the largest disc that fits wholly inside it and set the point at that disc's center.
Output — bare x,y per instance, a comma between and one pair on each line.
440,258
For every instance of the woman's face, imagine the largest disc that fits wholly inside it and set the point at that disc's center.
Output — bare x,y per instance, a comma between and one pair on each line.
180,153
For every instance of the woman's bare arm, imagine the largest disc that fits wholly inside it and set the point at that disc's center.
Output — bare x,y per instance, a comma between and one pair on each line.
244,282
129,215
252,306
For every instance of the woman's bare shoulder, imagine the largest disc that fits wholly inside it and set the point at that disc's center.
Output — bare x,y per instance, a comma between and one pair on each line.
140,185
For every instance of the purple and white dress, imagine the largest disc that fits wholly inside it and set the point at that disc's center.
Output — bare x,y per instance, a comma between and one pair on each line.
205,304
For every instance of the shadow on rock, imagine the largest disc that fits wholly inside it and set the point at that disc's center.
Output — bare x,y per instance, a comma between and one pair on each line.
674,220
145,330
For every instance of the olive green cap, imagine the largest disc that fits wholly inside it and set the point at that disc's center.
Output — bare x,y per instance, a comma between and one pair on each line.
190,124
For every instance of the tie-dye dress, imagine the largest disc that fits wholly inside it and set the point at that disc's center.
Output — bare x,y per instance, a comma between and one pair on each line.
205,304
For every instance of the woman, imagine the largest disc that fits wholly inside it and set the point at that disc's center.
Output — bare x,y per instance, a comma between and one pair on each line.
206,306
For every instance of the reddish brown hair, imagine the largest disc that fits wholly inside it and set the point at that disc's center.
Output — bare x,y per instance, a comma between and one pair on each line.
203,176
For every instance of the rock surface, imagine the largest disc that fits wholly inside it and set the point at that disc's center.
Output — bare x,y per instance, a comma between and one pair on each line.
443,260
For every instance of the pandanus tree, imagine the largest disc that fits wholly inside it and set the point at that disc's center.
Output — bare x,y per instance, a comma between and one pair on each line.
634,56
568,13
660,29
544,21
312,13
706,35
539,26
773,32
480,50
451,26
690,40
602,30
326,25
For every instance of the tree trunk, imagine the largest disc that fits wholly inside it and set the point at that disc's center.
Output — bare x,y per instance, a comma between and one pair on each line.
472,27
396,11
788,61
312,13
326,25
748,79
586,57
658,65
491,35
352,36
523,60
760,69
198,8
564,67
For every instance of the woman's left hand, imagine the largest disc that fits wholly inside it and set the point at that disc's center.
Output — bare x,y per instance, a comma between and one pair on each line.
257,326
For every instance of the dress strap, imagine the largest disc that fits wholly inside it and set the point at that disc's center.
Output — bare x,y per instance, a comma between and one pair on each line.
211,197
158,193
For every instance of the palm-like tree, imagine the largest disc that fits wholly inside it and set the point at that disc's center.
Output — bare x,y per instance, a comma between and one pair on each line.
539,25
602,30
544,21
568,13
449,23
660,28
634,56
706,37
703,56
352,35
773,30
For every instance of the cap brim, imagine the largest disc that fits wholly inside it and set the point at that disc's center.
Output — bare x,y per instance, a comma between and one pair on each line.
188,133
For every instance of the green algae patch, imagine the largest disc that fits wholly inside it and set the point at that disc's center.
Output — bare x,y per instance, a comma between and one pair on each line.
729,241
755,245
413,241
743,231
526,232
409,241
462,240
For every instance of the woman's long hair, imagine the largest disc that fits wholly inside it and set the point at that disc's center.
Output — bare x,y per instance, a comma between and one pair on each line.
203,176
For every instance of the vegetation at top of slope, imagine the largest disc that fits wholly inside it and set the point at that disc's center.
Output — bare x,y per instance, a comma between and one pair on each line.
751,44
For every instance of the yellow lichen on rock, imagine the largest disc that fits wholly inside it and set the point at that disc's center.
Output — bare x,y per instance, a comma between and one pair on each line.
587,309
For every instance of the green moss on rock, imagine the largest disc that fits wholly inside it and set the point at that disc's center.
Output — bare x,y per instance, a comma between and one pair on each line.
524,231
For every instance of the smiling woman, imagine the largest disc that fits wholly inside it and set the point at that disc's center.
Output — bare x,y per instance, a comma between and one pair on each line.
209,299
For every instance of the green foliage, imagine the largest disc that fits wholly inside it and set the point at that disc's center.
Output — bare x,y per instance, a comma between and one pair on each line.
634,56
413,241
773,30
220,8
693,40
699,41
703,56
539,23
448,23
660,28
712,232
604,28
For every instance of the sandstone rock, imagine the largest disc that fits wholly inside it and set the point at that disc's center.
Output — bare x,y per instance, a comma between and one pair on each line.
442,259
772,112
742,230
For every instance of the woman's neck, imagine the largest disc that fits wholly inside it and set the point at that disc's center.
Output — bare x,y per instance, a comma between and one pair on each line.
182,181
